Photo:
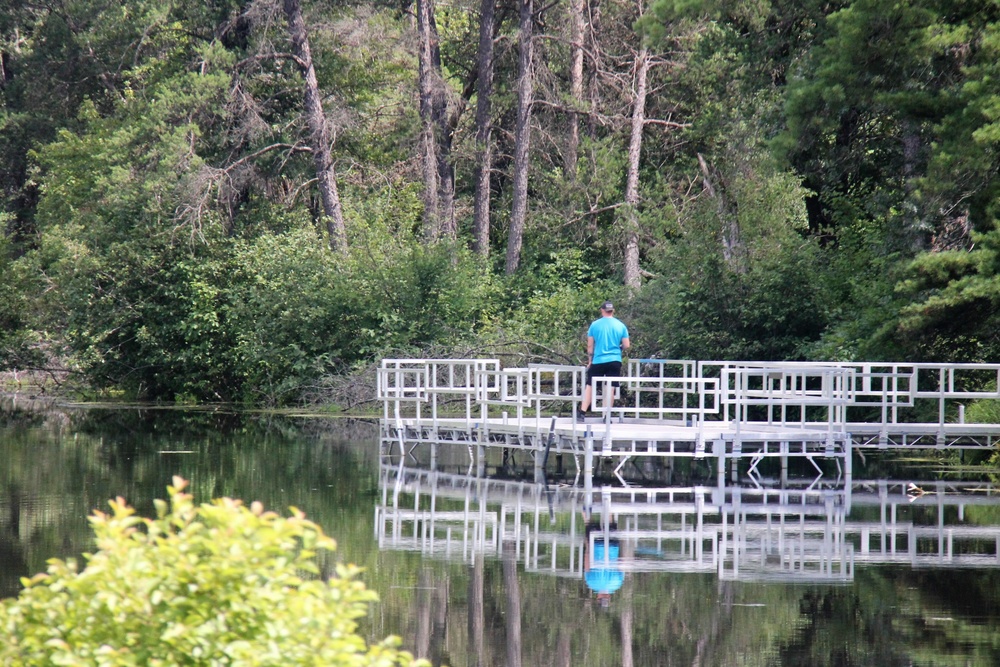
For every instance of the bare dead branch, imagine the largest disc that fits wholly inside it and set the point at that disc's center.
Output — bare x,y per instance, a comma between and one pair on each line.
292,148
665,123
591,212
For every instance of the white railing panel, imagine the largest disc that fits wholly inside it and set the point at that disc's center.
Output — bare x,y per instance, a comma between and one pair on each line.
884,394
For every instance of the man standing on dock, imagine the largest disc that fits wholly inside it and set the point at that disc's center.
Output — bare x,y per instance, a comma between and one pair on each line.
607,338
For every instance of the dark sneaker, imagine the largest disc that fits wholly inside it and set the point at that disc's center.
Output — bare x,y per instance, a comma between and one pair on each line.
581,417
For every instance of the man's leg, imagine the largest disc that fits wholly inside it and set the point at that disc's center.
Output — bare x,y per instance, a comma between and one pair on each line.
588,391
615,386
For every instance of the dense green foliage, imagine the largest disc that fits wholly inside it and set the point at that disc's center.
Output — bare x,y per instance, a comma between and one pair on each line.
816,180
218,583
15,337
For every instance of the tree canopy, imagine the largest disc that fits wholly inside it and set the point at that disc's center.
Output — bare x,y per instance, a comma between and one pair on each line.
242,199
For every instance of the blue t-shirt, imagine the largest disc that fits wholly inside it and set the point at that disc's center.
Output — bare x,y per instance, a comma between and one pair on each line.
608,333
600,578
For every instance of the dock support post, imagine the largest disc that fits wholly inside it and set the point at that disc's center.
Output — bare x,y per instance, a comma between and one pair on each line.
480,456
784,463
719,450
588,475
848,458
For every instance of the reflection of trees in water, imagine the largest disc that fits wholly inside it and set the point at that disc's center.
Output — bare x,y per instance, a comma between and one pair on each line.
837,629
460,614
476,653
44,474
12,557
512,588
431,615
17,412
57,466
627,612
11,550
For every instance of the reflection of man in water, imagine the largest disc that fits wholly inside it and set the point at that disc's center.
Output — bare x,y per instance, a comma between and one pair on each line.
600,567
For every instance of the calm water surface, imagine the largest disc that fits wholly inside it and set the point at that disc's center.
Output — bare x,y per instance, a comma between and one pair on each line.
872,573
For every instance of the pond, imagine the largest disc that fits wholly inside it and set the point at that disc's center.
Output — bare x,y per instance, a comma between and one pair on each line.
504,569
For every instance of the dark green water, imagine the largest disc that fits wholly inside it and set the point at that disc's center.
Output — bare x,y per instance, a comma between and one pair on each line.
59,464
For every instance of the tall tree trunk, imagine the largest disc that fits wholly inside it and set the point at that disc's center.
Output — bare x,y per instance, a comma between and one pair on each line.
733,250
592,28
437,129
911,155
522,138
630,217
446,186
594,89
426,84
445,126
484,129
576,17
319,137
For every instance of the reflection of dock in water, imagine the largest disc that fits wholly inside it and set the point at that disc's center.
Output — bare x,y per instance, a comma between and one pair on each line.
944,539
799,533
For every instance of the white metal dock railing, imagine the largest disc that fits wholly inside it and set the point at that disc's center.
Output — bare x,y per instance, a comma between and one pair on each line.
879,403
883,403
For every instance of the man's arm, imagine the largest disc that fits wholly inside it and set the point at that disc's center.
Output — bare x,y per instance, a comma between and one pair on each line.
626,343
590,350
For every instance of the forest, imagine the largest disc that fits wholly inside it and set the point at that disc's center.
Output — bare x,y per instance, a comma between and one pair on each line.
254,200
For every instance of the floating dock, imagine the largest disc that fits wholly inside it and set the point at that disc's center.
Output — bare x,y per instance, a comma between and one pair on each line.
729,412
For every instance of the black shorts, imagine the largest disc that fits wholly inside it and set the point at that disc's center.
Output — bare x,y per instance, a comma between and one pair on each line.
607,369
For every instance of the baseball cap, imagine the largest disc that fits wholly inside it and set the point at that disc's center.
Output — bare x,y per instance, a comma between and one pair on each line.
607,305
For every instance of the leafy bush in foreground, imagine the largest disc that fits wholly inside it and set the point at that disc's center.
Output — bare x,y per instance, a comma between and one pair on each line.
215,584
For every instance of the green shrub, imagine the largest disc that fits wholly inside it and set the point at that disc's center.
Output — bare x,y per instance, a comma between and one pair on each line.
986,411
704,310
215,584
16,338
